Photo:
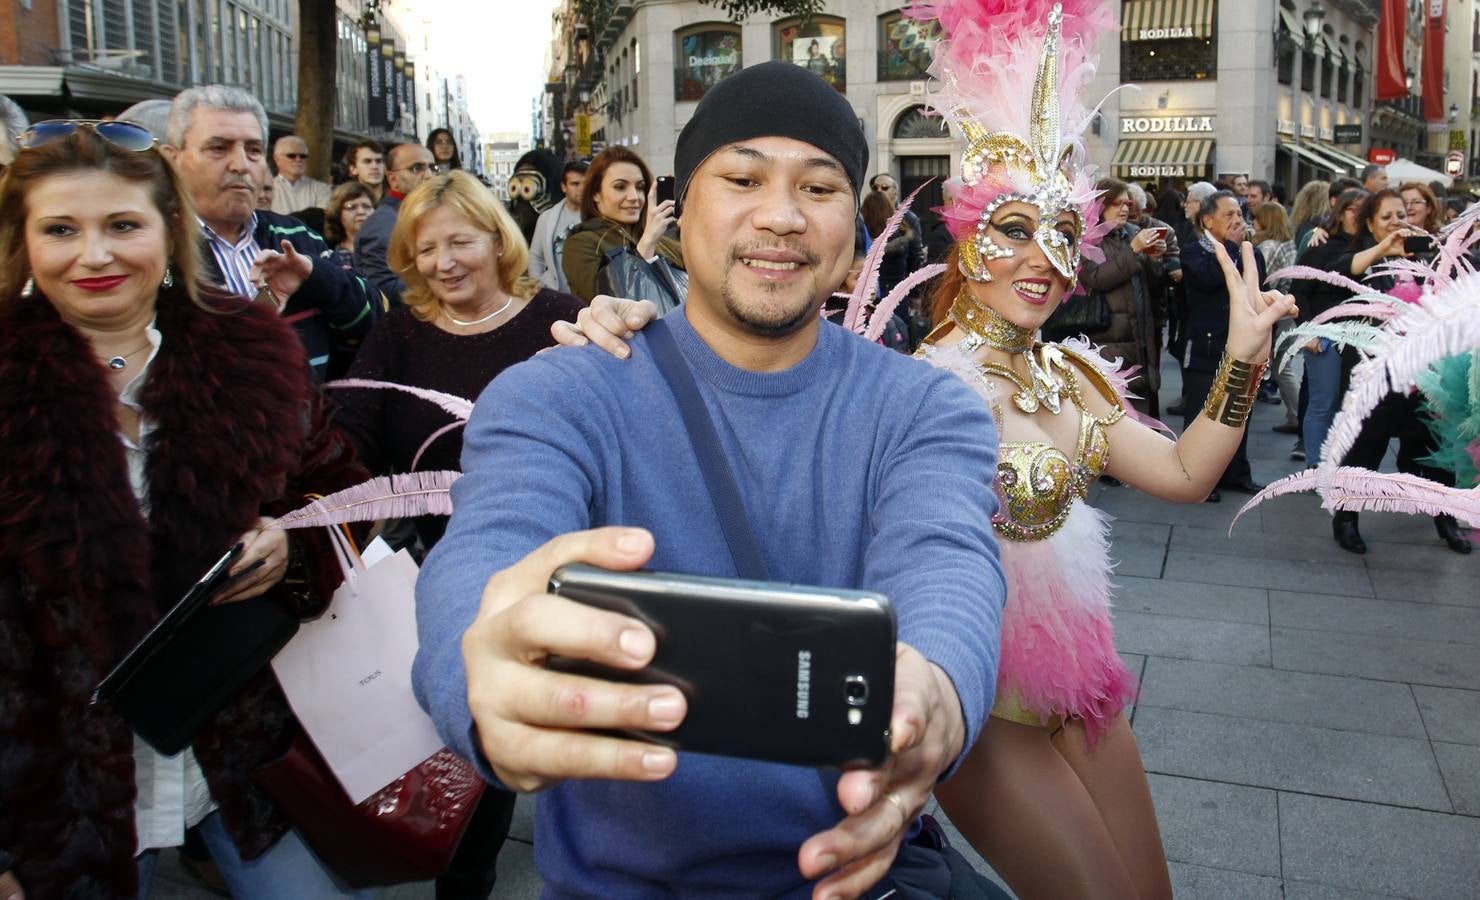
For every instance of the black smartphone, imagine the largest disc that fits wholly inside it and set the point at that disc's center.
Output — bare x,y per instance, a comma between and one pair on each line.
1418,243
664,189
778,672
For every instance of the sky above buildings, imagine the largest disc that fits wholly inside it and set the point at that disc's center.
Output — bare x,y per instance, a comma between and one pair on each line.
500,49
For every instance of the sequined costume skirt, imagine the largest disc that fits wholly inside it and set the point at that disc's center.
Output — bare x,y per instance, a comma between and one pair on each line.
1058,650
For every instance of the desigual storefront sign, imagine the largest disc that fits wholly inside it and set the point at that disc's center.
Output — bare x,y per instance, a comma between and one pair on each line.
1167,125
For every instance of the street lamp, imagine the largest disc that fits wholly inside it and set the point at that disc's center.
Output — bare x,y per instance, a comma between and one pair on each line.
1312,20
1453,113
1408,79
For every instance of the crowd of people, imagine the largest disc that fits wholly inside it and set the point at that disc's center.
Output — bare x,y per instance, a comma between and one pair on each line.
172,308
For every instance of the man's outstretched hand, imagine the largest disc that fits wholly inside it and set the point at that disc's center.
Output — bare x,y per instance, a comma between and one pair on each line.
927,735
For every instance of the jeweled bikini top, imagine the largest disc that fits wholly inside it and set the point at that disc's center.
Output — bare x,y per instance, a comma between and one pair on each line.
1037,482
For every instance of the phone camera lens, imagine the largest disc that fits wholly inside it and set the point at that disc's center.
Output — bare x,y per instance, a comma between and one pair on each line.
855,689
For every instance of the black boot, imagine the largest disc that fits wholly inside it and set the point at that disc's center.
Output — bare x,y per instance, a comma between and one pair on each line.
1344,529
1448,529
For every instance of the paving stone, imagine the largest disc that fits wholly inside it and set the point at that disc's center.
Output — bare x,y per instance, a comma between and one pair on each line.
1285,756
1431,558
1191,599
1366,656
1284,574
1230,642
1382,618
1191,882
1408,586
1311,549
1460,764
1138,506
1379,849
1306,890
521,827
516,872
1139,532
1449,714
1294,514
1137,559
1225,826
1275,695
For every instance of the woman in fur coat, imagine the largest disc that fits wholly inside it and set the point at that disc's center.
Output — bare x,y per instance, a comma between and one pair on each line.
147,424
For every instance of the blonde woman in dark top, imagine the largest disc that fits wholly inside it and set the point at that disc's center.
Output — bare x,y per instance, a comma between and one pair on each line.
617,210
470,312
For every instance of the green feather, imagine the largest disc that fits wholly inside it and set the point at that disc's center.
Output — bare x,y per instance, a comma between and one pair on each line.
1451,392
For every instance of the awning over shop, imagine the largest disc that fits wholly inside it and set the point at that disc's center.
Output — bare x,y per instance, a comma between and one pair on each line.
1313,158
1347,161
1291,23
1168,20
1163,158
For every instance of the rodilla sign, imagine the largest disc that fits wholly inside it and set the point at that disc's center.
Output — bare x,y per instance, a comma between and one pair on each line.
1167,125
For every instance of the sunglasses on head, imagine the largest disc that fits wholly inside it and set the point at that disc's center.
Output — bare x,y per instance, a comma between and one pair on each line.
123,135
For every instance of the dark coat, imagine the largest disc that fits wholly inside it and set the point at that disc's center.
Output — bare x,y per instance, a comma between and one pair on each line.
585,250
1315,297
237,434
373,247
1124,279
1207,302
332,310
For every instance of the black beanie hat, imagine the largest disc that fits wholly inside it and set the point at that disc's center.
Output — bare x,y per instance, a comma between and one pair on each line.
772,99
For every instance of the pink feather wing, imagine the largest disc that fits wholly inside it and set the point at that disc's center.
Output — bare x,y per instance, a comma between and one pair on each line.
879,318
457,406
387,497
853,319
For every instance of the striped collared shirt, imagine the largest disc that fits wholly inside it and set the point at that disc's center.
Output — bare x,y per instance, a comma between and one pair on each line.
235,260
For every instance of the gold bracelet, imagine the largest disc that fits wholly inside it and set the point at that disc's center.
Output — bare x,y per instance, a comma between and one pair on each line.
1231,398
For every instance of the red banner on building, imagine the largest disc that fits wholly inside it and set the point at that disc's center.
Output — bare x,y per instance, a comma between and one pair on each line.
1392,33
1433,62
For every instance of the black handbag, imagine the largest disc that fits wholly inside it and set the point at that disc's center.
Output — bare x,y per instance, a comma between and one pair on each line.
194,660
625,274
1084,315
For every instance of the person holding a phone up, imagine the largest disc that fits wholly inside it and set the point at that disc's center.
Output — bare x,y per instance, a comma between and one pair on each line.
579,456
1383,233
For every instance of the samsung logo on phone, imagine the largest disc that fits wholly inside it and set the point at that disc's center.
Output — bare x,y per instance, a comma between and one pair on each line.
804,683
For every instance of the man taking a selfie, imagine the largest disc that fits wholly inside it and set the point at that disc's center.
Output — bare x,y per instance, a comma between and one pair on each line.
577,456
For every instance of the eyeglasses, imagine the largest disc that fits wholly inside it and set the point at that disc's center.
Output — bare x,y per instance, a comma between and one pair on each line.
418,168
123,135
296,155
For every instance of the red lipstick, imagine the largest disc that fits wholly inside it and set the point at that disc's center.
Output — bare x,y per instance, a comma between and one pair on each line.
100,285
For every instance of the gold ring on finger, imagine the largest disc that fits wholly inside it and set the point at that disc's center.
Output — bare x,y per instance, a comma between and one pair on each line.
898,802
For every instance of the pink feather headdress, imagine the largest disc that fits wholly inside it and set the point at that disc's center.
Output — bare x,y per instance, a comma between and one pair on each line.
1011,75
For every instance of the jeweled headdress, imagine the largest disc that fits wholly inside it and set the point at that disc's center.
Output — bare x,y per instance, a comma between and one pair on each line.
1011,75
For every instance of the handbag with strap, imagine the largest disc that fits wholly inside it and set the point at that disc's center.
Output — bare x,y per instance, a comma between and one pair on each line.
1081,316
926,866
625,274
407,831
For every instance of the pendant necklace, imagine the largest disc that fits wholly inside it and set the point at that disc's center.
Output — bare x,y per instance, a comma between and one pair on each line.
985,327
118,362
493,315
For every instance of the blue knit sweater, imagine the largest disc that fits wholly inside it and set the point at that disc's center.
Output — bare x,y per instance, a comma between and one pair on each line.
858,467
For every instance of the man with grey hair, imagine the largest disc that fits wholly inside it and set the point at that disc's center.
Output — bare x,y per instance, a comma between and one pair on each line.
216,139
1374,178
292,189
1220,219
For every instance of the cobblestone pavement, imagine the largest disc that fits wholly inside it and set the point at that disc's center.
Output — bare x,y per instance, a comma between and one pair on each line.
1310,719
